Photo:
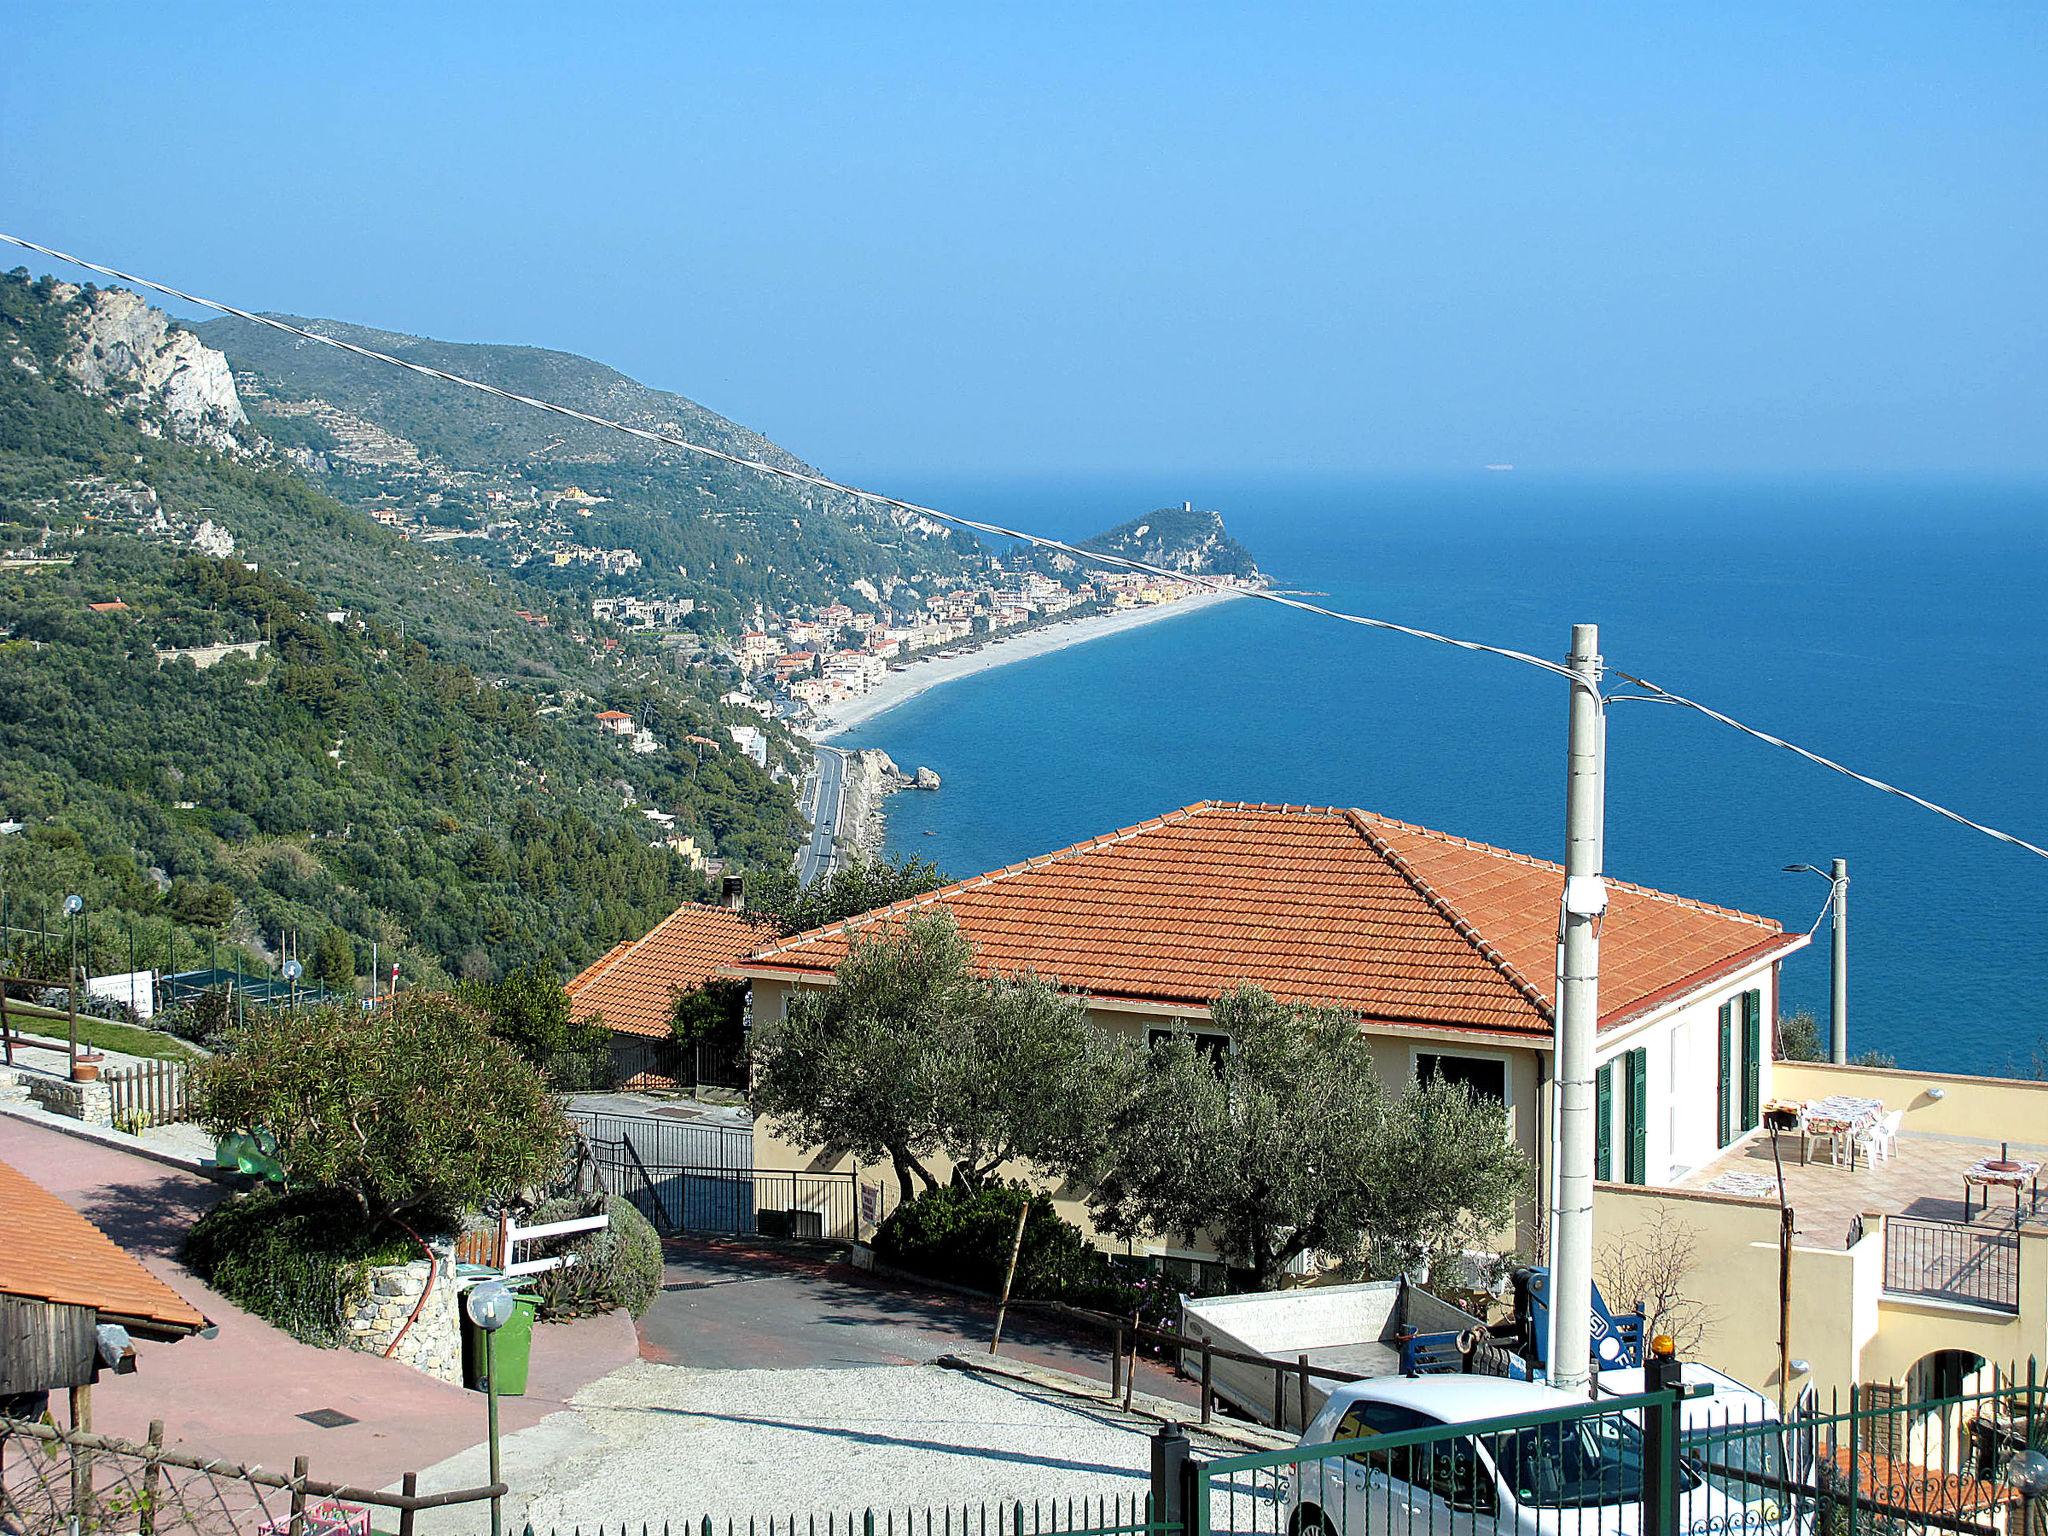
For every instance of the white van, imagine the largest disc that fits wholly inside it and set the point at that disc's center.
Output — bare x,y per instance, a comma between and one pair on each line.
1732,1438
1581,1477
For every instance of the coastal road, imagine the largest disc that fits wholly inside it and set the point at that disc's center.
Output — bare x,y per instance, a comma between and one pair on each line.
821,854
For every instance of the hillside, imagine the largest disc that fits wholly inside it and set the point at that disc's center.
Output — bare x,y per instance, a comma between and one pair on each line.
404,750
528,491
1180,539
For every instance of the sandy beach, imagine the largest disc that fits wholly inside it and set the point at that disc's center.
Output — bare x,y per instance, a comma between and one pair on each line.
898,687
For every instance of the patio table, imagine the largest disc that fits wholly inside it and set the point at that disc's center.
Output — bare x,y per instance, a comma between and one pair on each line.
1838,1115
2015,1174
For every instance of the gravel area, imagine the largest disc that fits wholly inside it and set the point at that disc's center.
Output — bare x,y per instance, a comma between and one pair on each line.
661,1443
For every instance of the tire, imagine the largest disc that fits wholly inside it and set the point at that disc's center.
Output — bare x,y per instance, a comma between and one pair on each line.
1309,1521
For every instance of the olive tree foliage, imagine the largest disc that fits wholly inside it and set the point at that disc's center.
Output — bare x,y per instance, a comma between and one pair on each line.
1287,1143
861,885
412,1107
911,1056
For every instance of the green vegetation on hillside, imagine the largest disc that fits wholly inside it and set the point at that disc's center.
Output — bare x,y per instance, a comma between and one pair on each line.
406,759
1181,539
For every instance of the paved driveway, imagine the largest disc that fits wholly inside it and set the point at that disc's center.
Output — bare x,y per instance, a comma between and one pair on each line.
735,1306
239,1395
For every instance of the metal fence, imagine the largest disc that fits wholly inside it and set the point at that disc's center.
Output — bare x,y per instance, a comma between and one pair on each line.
1661,1463
1101,1515
148,1093
1952,1261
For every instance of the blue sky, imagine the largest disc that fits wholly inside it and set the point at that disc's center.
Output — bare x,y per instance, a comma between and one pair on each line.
969,239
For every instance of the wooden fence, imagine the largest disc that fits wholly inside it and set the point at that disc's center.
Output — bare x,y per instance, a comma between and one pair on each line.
148,1093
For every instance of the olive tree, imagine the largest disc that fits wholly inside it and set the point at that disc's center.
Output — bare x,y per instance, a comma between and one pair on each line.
911,1056
412,1106
1287,1143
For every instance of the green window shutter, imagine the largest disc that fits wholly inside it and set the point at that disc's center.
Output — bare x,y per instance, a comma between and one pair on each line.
1752,1059
1638,1115
1724,1096
1603,1122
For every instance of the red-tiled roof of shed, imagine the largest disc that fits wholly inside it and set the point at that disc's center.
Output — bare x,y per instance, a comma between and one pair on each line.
54,1254
1391,921
633,987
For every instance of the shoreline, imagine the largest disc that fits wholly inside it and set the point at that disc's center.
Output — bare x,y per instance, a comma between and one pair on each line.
921,677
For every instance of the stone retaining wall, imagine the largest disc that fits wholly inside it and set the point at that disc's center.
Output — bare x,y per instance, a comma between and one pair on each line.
91,1102
434,1343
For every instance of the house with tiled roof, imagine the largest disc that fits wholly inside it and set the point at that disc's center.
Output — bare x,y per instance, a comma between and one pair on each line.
631,989
61,1279
1445,949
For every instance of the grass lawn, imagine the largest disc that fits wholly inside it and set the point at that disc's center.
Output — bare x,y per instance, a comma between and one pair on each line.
100,1034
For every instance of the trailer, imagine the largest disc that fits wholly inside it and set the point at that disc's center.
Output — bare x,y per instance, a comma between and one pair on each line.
1378,1328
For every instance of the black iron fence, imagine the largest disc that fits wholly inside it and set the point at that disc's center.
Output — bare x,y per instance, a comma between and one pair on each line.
1952,1261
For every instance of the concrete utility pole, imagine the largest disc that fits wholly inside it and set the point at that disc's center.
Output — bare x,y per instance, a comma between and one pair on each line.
1578,1014
1838,965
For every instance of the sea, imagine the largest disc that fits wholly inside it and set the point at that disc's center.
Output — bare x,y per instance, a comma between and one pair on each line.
1897,626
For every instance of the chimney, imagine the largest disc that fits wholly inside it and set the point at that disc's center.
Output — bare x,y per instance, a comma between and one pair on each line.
732,893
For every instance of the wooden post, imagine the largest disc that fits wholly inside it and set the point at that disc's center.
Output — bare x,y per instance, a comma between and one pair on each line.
1279,1395
298,1519
6,1028
1208,1381
81,1459
1305,1415
1116,1365
1010,1274
146,1517
409,1486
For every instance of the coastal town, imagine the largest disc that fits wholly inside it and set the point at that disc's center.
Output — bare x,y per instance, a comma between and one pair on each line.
856,771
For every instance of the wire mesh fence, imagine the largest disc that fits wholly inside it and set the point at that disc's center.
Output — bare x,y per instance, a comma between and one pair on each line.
55,1480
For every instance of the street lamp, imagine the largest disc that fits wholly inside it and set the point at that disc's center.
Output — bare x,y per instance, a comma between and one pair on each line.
292,972
490,1306
73,905
1838,955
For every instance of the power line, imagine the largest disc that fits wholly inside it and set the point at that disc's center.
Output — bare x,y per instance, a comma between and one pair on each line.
997,530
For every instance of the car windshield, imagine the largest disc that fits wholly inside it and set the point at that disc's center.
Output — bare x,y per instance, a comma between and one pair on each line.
1746,1461
1573,1464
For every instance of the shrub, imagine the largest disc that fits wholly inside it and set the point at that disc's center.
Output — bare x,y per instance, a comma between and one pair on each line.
963,1237
413,1106
619,1266
298,1260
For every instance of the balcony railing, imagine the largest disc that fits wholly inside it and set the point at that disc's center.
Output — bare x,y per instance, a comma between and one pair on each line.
1952,1261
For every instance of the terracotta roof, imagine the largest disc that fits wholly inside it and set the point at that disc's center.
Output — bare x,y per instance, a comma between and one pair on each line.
54,1254
633,987
1318,905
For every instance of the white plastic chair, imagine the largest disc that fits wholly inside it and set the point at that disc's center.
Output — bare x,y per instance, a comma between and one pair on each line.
1877,1140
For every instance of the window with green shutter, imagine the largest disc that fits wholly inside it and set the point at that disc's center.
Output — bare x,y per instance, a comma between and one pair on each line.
1724,1095
1603,1122
1637,1115
1752,1059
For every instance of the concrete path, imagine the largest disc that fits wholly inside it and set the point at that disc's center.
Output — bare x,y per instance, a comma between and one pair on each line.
735,1306
239,1395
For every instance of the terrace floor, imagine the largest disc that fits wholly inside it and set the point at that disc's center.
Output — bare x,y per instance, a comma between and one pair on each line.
1923,1178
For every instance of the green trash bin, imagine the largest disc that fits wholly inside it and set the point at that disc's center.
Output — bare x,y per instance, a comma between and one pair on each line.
510,1351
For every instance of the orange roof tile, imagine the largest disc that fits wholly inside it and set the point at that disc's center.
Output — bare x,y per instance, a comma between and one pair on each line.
1318,905
633,987
1923,1490
54,1254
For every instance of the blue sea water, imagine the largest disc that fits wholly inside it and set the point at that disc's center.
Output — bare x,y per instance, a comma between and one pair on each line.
1895,626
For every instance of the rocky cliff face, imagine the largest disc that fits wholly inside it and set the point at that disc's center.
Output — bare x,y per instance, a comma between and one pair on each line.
1179,539
123,344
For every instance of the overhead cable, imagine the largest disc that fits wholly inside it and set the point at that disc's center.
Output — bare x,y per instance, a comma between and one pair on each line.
997,530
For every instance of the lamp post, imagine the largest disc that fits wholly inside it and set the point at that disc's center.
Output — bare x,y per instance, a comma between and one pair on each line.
292,972
1837,877
73,905
490,1307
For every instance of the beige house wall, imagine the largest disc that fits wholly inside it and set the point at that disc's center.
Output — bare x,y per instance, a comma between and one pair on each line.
1981,1108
